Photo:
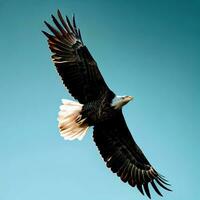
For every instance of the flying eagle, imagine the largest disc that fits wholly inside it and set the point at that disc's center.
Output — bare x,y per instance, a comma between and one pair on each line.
97,106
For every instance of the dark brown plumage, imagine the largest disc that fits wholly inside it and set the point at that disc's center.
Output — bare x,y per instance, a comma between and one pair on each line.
124,157
74,62
84,81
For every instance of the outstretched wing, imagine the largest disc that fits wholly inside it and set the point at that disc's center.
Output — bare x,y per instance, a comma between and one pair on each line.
124,157
74,62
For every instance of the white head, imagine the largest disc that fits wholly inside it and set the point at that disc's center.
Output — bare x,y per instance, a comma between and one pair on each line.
120,101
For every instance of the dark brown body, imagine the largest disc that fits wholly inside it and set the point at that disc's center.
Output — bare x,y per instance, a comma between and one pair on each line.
99,110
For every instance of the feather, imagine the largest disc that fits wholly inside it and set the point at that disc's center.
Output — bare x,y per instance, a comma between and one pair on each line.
69,128
69,25
74,24
63,21
132,178
79,34
146,189
48,35
159,183
146,177
53,30
160,179
59,26
131,182
155,188
116,165
139,175
126,174
120,171
140,188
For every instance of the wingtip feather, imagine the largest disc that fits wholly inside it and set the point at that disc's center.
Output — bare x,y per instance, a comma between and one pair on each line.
155,188
163,186
47,34
140,189
146,189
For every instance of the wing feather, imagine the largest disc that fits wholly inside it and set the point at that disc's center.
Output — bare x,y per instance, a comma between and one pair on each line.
155,188
146,189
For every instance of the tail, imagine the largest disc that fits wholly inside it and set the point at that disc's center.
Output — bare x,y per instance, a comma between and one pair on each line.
70,122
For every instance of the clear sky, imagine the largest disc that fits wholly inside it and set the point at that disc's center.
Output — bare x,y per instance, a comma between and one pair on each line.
148,49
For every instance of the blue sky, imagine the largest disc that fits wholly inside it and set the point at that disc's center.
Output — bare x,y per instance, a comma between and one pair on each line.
148,49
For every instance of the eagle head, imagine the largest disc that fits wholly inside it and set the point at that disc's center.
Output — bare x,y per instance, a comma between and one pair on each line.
119,101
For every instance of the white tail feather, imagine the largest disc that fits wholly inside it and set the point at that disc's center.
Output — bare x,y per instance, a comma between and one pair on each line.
68,126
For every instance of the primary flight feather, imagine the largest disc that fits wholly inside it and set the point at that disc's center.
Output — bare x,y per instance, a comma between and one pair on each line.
97,106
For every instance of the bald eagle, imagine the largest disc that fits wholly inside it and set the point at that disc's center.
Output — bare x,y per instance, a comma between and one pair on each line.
97,106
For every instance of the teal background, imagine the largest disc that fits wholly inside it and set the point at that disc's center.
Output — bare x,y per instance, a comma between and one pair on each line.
148,49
